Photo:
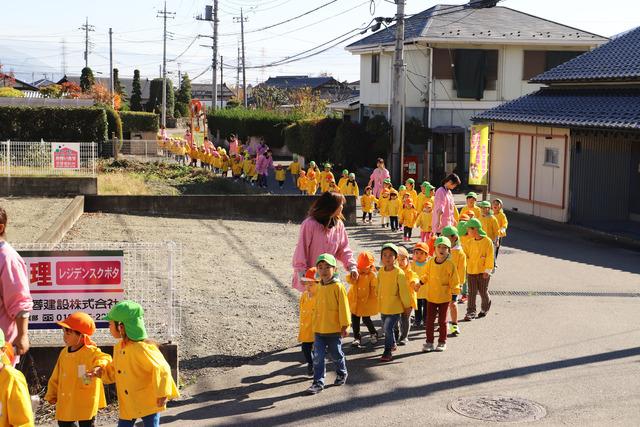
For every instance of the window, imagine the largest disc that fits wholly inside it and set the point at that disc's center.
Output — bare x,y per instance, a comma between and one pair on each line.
375,68
538,61
552,157
484,72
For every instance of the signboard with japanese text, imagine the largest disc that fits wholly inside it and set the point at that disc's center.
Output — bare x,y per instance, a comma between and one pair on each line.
479,155
62,282
65,155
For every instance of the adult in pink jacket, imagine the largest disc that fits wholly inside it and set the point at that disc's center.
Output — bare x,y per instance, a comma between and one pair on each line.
264,162
15,298
379,174
323,232
444,205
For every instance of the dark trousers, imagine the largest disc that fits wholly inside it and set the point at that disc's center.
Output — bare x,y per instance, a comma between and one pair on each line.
364,215
497,250
262,180
478,285
355,325
87,423
421,311
440,311
307,348
408,231
394,222
281,184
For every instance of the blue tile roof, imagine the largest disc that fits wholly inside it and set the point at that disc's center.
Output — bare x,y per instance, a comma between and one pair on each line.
590,108
617,60
451,22
298,82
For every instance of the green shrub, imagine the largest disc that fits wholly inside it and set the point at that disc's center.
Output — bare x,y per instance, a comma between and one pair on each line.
137,121
415,133
244,123
292,138
154,104
9,92
114,123
351,146
53,124
380,130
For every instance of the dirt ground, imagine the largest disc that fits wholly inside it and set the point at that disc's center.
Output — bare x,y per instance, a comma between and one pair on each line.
236,296
29,217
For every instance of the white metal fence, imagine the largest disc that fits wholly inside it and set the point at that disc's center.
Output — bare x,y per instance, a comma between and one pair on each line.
151,276
145,150
29,158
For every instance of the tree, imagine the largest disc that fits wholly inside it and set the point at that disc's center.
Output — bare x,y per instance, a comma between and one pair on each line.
117,85
136,92
154,105
6,80
51,91
101,95
9,92
184,96
269,97
71,90
308,103
87,80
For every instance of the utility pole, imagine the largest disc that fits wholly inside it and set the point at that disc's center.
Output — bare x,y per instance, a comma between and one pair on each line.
221,80
64,57
238,74
86,28
111,65
211,15
164,14
242,19
397,90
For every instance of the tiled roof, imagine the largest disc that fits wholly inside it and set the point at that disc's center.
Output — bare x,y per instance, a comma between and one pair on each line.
298,82
451,22
617,60
599,108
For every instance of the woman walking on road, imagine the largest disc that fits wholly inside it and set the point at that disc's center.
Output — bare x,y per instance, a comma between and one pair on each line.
379,174
321,232
444,205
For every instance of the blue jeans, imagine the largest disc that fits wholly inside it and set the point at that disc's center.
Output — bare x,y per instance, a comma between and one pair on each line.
320,345
152,420
389,322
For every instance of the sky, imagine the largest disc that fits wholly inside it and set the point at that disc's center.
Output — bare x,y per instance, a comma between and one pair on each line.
32,44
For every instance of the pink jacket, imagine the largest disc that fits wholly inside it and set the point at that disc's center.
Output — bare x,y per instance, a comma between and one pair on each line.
14,290
314,239
378,176
443,204
263,164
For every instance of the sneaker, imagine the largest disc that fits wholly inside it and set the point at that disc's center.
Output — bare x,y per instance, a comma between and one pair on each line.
428,347
374,339
441,346
468,318
315,389
394,348
482,314
340,379
404,341
386,358
355,343
455,330
310,370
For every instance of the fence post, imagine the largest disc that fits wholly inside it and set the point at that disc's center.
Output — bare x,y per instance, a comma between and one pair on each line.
9,158
171,246
93,159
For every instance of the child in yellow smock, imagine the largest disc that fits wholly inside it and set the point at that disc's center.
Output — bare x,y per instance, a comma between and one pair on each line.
351,188
301,182
460,260
413,281
312,183
411,190
326,176
281,175
424,221
503,224
408,218
393,209
73,387
471,198
489,222
363,299
141,373
294,168
383,207
419,265
15,401
368,202
342,182
307,302
441,280
479,251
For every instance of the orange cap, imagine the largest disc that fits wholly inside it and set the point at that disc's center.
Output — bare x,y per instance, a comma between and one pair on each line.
422,246
310,274
80,322
365,260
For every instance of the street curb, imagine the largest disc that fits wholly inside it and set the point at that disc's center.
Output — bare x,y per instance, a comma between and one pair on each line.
65,221
581,231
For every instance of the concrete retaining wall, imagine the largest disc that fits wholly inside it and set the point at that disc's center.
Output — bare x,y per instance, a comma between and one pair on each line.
47,186
56,231
279,208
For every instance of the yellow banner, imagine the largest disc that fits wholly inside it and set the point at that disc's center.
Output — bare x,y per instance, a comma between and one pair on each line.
479,155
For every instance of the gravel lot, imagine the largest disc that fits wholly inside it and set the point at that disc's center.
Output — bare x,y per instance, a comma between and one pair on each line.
29,217
237,300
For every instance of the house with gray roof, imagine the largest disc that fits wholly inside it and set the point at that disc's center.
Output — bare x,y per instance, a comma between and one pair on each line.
460,61
570,151
326,86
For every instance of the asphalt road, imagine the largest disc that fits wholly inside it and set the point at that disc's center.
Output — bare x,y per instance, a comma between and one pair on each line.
563,331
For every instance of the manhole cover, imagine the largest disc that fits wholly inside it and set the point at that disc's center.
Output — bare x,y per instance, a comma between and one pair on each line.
498,408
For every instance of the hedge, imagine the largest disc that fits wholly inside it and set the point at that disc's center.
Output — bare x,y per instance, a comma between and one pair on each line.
245,123
114,123
137,121
53,124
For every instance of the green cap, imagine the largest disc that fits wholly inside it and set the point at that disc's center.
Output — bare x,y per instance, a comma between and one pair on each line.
499,201
471,194
425,184
312,163
402,187
475,223
411,181
484,204
131,314
449,231
327,165
352,175
345,172
462,228
387,181
391,246
1,338
328,258
443,241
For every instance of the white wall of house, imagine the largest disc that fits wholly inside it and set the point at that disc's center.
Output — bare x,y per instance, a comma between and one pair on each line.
520,176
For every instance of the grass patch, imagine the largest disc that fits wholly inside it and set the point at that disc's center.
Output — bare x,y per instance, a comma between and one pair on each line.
124,177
